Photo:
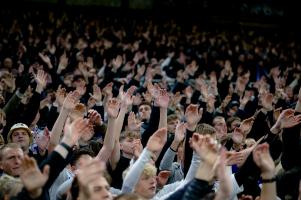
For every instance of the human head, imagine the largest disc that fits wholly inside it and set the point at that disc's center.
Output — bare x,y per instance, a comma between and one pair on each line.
206,129
101,187
220,126
145,111
80,157
172,121
232,123
10,186
20,134
147,184
11,156
127,139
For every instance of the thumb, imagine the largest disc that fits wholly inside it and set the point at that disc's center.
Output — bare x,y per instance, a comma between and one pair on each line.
46,171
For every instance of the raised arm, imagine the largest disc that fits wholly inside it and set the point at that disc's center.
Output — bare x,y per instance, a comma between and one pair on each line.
56,132
264,161
113,107
126,102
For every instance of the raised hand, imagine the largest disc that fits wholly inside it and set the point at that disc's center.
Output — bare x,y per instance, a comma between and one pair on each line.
180,132
75,130
94,117
188,92
9,81
206,147
134,124
71,100
163,99
264,161
32,177
41,79
162,178
113,106
287,119
193,115
42,140
246,125
60,95
154,90
157,140
126,97
81,89
96,93
238,136
46,60
137,99
267,101
107,90
63,63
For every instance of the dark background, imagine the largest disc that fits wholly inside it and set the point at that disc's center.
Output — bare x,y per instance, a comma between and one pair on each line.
264,14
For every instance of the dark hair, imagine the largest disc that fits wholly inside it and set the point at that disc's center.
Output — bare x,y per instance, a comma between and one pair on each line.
80,152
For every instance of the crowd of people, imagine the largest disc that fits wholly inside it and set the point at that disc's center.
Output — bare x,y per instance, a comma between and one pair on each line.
96,107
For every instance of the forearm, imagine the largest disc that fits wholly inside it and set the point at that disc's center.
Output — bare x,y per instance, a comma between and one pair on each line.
109,140
135,172
268,190
196,161
57,129
163,118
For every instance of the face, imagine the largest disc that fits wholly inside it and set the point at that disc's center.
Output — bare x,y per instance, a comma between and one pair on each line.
21,137
171,126
146,186
127,145
144,112
11,161
101,189
82,160
220,127
234,124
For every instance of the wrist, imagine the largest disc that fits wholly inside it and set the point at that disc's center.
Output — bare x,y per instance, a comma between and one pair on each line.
268,175
34,194
191,127
67,143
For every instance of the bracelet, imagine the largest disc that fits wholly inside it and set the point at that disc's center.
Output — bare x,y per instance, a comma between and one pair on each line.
269,180
66,146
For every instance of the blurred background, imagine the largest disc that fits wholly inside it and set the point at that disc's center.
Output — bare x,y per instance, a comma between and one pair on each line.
267,14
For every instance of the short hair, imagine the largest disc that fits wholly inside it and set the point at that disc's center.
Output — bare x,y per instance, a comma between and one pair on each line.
205,129
6,146
130,134
172,117
217,117
80,152
145,103
149,170
231,120
10,186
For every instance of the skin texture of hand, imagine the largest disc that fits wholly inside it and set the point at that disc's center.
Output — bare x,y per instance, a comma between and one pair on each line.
32,177
246,125
137,148
97,95
134,124
180,132
94,117
206,147
163,99
60,95
287,119
71,100
193,115
75,130
41,79
162,178
157,140
113,107
107,90
263,160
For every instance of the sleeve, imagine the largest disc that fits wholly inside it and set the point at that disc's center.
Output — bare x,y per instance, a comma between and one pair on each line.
152,126
196,190
167,160
135,172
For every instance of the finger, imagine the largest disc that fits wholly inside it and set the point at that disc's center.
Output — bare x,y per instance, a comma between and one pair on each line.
46,171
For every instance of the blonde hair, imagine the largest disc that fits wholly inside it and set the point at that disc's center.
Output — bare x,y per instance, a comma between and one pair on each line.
148,171
10,186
